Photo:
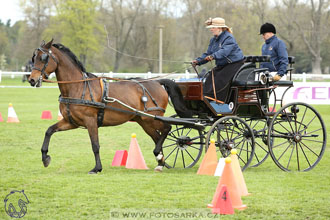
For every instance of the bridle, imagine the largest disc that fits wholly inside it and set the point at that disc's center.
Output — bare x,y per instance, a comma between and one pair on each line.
45,59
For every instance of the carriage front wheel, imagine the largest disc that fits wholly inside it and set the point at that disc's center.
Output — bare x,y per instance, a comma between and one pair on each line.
230,133
183,147
298,137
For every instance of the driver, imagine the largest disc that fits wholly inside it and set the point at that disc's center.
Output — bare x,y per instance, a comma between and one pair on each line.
227,55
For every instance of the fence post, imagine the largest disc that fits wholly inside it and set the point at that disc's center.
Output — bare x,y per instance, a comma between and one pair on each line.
148,75
0,75
304,77
187,74
111,75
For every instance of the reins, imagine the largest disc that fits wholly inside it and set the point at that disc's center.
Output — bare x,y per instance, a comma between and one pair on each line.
102,77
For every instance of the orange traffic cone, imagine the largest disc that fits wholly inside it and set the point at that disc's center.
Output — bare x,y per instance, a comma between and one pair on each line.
238,173
46,115
12,117
210,161
59,115
135,158
223,204
220,166
1,119
230,181
120,158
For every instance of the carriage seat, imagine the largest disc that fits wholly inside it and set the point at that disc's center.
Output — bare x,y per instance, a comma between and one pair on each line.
245,76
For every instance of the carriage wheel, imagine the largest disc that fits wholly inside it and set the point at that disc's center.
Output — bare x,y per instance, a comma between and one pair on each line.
259,128
299,137
233,133
183,147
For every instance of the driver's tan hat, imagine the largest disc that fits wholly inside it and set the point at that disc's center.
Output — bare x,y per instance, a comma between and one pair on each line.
215,23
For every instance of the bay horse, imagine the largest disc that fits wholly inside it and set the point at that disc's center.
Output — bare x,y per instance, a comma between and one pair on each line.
82,100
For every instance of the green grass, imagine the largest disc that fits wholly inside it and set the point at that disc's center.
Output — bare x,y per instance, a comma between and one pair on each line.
64,190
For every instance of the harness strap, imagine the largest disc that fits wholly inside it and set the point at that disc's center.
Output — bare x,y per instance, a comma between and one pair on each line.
145,90
100,113
70,116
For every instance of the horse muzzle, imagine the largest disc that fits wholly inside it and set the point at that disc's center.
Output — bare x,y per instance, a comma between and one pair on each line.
36,83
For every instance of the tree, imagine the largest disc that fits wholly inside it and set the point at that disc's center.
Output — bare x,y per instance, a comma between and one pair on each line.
78,19
312,30
123,15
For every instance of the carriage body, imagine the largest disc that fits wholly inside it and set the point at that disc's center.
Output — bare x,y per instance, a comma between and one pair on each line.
248,120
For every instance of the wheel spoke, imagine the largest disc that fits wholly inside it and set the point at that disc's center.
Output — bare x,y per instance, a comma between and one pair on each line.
305,139
309,149
283,127
171,139
305,155
264,149
170,145
311,132
184,165
287,141
189,154
284,152
297,157
309,123
176,156
290,158
171,152
302,118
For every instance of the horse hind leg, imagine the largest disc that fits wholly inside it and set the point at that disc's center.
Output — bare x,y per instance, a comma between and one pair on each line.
158,132
158,151
59,126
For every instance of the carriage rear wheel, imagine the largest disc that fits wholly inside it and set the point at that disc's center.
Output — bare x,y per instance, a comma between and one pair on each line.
183,147
299,137
260,129
233,133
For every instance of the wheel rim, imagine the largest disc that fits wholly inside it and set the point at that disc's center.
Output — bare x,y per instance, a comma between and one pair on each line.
261,152
182,147
233,133
299,137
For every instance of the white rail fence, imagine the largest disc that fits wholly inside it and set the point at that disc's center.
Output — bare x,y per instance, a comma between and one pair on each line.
317,92
303,77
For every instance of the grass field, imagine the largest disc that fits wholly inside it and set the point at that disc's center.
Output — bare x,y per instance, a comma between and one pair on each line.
64,190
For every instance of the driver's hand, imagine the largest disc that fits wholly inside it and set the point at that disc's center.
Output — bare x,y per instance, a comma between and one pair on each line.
209,58
277,78
194,62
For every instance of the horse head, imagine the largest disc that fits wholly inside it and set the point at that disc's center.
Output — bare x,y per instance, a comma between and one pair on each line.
44,63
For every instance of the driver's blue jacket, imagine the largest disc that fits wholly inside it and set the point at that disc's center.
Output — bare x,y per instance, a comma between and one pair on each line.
224,50
276,49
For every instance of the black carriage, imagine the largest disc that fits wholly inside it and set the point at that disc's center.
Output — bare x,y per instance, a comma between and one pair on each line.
293,134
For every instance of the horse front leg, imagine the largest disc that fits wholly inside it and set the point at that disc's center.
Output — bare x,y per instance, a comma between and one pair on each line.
158,151
94,137
59,126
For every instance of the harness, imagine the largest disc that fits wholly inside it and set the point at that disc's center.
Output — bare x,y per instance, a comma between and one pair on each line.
104,99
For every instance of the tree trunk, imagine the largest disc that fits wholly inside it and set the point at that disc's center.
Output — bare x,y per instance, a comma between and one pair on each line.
316,65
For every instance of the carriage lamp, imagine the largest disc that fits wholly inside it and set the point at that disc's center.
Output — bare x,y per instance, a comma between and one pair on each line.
265,78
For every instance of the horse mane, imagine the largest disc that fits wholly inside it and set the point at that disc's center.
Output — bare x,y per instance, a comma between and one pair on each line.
73,57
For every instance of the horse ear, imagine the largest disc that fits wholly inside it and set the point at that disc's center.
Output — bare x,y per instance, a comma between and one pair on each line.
49,44
42,43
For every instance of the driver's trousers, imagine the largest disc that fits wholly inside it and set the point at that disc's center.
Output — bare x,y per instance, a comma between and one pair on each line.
223,76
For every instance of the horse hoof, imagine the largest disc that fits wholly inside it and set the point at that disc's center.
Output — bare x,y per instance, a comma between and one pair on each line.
159,169
94,171
47,161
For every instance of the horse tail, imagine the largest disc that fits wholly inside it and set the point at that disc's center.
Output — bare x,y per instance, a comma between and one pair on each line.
175,94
